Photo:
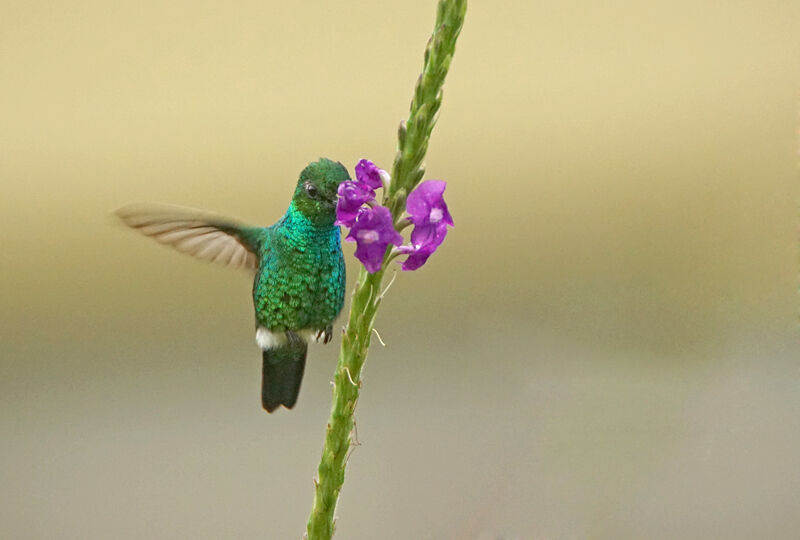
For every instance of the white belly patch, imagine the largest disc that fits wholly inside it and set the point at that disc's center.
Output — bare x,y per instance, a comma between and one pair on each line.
270,340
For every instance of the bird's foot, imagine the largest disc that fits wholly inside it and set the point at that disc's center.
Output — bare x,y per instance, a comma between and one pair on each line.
325,335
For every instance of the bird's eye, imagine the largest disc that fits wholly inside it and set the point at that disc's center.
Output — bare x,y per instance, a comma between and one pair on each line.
312,191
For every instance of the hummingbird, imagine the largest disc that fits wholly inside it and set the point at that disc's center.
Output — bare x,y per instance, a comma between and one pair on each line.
298,266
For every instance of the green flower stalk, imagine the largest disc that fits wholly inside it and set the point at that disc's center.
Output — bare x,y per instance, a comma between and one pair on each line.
414,134
407,172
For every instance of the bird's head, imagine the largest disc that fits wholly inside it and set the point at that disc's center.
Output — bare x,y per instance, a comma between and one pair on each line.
315,195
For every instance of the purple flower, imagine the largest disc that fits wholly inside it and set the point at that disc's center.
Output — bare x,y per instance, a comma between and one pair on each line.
429,214
373,230
372,226
422,246
426,205
352,195
368,173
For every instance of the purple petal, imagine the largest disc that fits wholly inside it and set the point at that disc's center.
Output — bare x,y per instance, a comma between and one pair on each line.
369,173
373,230
352,195
424,235
424,242
429,214
418,255
426,204
415,260
371,256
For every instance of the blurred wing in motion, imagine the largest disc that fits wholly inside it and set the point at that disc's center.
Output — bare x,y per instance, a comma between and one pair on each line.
202,235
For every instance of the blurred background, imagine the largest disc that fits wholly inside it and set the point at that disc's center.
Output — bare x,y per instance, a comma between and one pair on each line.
606,346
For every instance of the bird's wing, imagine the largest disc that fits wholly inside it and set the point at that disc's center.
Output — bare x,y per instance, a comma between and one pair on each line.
203,235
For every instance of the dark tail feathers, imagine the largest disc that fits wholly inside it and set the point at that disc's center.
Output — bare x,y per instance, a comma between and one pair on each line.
282,374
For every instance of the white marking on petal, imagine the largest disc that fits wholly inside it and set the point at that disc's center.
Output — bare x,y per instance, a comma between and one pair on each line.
368,236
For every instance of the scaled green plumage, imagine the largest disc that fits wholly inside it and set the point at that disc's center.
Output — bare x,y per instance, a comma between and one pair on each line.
299,284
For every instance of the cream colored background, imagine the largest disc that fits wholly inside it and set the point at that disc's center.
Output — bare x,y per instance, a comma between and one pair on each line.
606,346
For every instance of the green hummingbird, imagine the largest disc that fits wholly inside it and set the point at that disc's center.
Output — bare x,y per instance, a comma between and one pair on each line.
299,284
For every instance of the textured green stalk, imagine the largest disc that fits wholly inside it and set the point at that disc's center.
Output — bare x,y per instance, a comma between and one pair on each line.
407,171
413,135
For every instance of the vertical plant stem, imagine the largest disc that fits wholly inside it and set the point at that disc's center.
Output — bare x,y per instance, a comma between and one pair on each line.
346,386
407,171
413,135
